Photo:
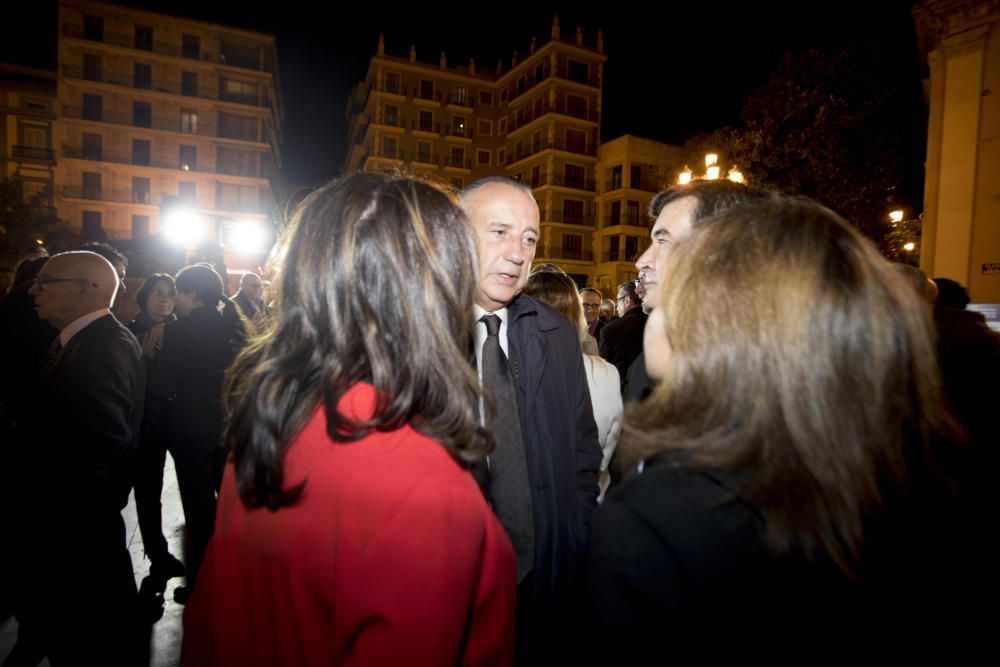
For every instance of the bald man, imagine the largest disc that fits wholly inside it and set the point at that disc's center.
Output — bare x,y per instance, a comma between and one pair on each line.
78,451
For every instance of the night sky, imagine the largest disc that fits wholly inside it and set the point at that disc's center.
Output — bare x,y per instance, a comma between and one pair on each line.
673,71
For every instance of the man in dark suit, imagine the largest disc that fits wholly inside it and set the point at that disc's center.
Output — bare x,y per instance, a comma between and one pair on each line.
621,340
542,478
77,453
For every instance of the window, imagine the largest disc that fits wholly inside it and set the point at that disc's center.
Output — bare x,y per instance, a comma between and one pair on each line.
142,75
536,176
189,121
635,176
502,156
539,72
631,248
458,126
390,115
140,152
574,174
572,210
392,82
140,226
34,136
485,98
632,213
503,96
457,182
613,249
536,142
425,121
616,178
189,84
91,185
142,114
424,151
92,146
243,92
579,72
390,147
484,128
426,89
235,197
93,27
189,158
457,156
522,84
576,106
236,162
143,38
91,67
483,157
191,47
460,95
233,126
186,191
576,141
92,226
140,190
572,246
92,107
502,126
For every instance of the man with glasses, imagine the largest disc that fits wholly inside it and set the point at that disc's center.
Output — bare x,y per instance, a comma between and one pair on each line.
591,299
621,340
74,456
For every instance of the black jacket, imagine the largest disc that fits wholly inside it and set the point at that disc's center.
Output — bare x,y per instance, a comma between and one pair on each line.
621,341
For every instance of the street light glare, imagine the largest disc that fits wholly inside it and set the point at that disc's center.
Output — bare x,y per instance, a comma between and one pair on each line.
908,247
184,227
249,236
896,216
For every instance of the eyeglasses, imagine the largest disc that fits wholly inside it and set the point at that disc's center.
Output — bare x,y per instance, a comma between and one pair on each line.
591,306
164,294
42,283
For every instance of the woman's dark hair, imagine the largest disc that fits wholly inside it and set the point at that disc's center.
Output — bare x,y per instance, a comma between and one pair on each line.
377,286
203,281
800,355
149,285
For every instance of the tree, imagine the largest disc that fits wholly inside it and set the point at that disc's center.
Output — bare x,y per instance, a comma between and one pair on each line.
829,126
26,221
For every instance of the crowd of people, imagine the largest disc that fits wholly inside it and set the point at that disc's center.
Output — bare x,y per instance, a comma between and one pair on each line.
424,452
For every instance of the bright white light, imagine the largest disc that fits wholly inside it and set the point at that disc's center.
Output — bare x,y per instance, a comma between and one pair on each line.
685,177
710,159
896,216
735,175
908,247
712,173
249,236
184,227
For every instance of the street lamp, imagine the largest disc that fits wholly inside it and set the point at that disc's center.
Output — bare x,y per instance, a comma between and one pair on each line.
713,172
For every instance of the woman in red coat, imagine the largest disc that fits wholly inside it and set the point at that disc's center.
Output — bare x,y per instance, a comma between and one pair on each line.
349,529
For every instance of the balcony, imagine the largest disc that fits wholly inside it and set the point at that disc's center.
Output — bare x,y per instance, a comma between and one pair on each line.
456,163
463,132
590,80
389,121
527,115
428,95
463,101
432,128
570,253
563,182
569,219
647,184
158,122
32,154
538,147
116,196
224,169
531,80
624,220
169,86
235,58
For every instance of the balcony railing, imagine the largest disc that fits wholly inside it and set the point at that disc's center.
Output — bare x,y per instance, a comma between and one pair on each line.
417,126
623,219
528,114
460,132
561,181
569,219
171,86
176,165
102,194
568,253
234,59
537,147
452,161
34,154
389,122
647,184
158,122
419,94
461,101
590,80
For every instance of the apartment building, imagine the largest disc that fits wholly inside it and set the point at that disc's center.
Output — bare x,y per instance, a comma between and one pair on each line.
27,119
537,120
163,119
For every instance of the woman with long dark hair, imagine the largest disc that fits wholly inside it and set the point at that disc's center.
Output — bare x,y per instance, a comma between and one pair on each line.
791,485
156,309
197,349
350,530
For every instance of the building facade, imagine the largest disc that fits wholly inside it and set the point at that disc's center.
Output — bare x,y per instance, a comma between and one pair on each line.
961,220
27,120
163,118
537,121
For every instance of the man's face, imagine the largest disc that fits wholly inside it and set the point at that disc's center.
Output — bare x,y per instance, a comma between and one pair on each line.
120,269
506,222
671,225
591,306
57,292
252,287
623,302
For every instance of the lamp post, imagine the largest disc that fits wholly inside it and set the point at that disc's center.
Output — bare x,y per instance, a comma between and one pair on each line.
902,243
712,172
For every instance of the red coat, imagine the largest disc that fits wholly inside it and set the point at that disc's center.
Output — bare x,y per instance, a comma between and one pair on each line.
390,556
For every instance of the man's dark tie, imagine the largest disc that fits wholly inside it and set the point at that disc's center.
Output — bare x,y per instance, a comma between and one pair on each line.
510,490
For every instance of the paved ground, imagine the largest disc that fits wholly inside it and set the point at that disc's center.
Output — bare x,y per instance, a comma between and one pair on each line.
166,642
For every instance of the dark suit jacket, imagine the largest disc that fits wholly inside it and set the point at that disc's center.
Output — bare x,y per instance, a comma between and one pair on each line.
89,410
561,443
621,341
